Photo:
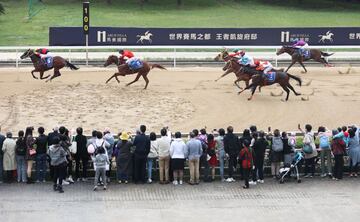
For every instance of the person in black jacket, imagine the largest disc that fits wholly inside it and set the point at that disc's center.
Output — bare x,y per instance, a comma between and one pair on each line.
51,136
142,144
288,152
41,149
2,138
259,147
81,155
232,149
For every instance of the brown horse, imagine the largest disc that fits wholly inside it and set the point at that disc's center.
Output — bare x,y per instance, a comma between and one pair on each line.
282,78
315,54
41,67
123,70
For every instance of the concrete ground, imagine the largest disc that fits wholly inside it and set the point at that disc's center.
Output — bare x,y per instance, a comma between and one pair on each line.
313,200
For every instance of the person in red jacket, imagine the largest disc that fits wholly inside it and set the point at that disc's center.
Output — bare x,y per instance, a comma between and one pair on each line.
246,158
125,55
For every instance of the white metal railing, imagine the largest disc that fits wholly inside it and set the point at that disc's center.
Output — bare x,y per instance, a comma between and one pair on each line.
10,53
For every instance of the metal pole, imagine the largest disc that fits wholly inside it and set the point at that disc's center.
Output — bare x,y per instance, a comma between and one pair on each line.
276,59
70,55
174,57
87,50
17,59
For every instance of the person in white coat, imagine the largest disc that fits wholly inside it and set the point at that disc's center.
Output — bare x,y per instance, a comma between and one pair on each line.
9,162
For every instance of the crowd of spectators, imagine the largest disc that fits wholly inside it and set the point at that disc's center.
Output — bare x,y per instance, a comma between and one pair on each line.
135,157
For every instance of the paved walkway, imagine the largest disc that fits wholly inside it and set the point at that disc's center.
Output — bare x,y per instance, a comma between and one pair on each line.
313,200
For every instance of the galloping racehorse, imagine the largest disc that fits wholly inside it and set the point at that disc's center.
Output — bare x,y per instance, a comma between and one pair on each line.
315,54
123,70
58,63
282,78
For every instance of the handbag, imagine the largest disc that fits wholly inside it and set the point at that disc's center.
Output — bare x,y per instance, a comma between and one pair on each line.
308,149
73,147
32,152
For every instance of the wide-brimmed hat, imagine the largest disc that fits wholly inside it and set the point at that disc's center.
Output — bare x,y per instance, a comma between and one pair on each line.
124,136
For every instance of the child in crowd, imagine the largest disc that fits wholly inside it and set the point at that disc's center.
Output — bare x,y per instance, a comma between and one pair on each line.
100,161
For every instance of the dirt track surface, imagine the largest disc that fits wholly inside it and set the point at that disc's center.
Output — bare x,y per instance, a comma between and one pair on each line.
182,99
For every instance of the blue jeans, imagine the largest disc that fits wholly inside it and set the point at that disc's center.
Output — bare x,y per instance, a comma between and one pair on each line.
40,166
1,169
21,168
222,163
150,162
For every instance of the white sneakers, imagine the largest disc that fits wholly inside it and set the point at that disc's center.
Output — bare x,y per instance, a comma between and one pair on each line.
149,180
175,182
252,182
230,179
260,181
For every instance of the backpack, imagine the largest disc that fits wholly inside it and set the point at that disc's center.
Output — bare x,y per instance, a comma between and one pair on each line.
20,148
277,144
324,142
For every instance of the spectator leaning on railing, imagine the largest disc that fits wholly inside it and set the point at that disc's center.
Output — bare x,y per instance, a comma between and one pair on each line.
232,149
194,151
164,156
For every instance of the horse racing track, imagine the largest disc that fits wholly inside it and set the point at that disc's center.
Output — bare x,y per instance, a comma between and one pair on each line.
182,99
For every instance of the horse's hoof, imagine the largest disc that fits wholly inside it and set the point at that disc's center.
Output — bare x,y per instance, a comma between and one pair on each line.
249,99
303,72
298,94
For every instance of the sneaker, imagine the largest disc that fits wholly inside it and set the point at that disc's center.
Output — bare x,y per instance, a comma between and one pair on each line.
37,181
95,188
44,181
323,175
306,176
104,188
252,182
149,180
119,181
233,180
126,182
261,181
65,182
228,180
245,187
175,182
70,179
180,182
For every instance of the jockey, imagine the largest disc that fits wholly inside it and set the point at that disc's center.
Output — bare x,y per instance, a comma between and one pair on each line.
236,53
300,45
245,59
125,55
264,66
41,52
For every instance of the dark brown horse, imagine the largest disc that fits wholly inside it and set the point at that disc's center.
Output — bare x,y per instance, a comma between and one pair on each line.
41,67
282,78
123,70
315,54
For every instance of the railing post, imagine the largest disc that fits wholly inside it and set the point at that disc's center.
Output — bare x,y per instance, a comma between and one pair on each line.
69,55
276,59
17,59
327,57
174,57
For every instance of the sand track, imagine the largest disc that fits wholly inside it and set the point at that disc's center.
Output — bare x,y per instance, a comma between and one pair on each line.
182,99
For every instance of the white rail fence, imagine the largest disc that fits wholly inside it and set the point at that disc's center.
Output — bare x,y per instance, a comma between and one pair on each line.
171,54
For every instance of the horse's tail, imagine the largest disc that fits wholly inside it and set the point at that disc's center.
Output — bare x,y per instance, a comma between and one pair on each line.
157,66
71,66
296,78
326,54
